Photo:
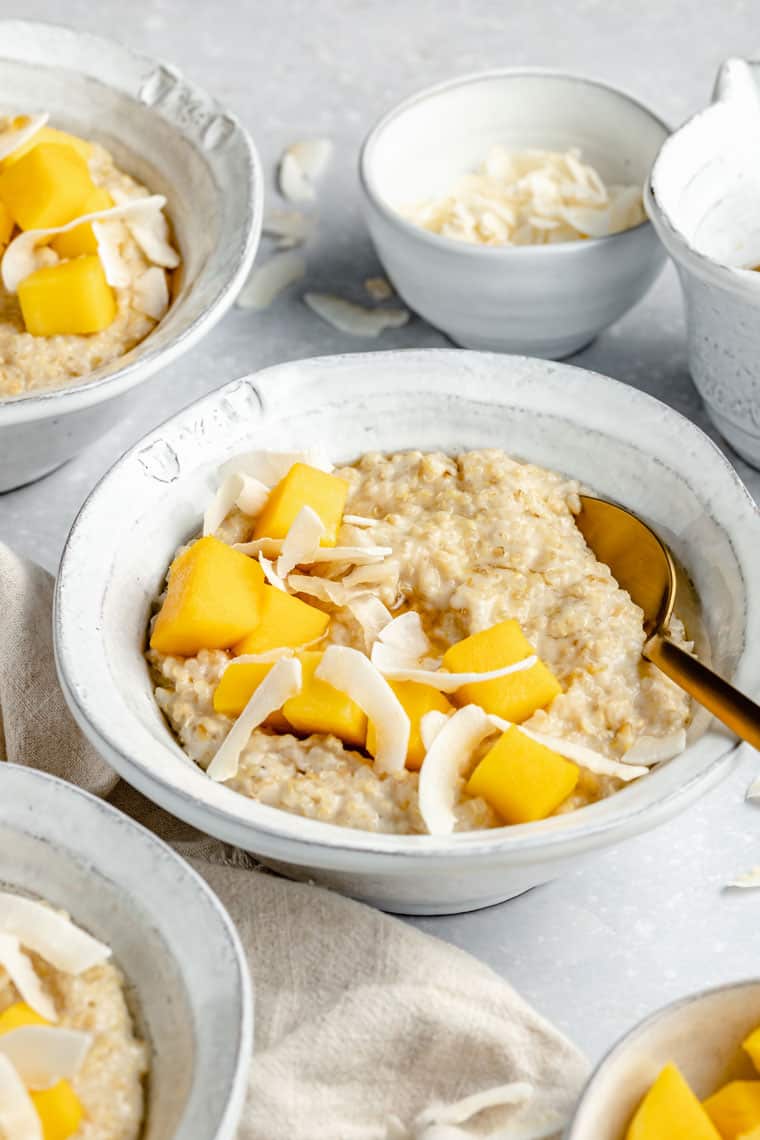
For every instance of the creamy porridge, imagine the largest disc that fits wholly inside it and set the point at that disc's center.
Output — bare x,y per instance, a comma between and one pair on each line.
468,544
87,1082
45,342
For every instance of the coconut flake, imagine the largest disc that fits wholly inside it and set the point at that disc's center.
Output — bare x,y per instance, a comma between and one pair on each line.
359,555
282,682
253,496
150,293
301,543
747,879
51,935
430,725
108,236
407,637
301,167
352,673
356,320
151,232
371,615
270,573
363,577
359,521
578,753
289,228
386,659
11,138
267,281
241,491
18,1116
269,467
43,1055
444,764
21,972
270,547
649,750
379,288
326,589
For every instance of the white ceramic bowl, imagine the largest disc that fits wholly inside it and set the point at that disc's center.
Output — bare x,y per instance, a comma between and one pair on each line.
612,437
540,300
185,968
180,142
701,1033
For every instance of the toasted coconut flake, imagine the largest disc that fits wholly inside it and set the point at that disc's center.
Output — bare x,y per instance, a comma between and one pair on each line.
301,167
578,753
747,880
150,293
326,589
267,281
51,935
359,521
282,682
445,763
289,227
650,750
379,288
13,137
21,972
354,674
18,1116
356,320
43,1055
270,573
430,725
269,467
301,543
371,615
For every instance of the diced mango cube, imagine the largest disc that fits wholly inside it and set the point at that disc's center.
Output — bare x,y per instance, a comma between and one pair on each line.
213,599
735,1108
417,700
59,1109
82,240
670,1111
751,1045
285,621
18,1015
522,780
70,298
238,683
6,226
515,696
304,486
321,708
47,135
46,187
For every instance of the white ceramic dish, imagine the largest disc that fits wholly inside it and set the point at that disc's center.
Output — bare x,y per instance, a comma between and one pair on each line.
701,1033
170,935
180,142
540,300
703,199
612,437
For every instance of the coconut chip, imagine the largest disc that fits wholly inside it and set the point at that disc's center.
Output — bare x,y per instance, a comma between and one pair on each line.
301,543
289,228
578,753
352,673
242,491
356,320
150,230
747,879
270,547
21,972
150,294
282,682
301,167
18,1116
109,236
371,615
406,636
386,659
43,1055
650,750
51,935
444,764
378,288
360,521
430,725
359,555
11,138
326,589
269,467
270,573
267,281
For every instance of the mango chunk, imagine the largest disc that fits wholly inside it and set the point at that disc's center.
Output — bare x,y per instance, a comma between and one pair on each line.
70,298
321,708
514,697
213,598
522,780
60,1111
46,187
304,486
48,135
238,683
6,226
751,1045
81,240
285,621
735,1108
670,1111
417,700
17,1015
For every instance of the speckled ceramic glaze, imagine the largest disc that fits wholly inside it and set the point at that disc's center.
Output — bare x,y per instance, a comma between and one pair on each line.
179,142
701,1033
612,437
704,200
186,973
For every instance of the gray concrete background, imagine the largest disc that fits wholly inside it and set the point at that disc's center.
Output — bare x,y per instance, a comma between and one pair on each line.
648,921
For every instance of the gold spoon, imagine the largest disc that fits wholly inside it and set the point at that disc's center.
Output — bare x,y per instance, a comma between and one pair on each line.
644,567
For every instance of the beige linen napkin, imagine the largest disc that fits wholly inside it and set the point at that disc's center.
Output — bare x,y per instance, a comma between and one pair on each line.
366,1029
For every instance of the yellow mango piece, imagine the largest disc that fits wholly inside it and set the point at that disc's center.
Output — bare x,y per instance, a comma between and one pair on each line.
751,1045
285,621
46,187
514,697
213,599
47,135
321,708
670,1111
304,486
82,240
6,226
522,780
59,1109
238,683
18,1015
735,1108
70,298
753,1135
416,700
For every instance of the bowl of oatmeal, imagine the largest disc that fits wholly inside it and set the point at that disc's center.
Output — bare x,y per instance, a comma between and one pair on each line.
506,207
445,486
170,188
125,1005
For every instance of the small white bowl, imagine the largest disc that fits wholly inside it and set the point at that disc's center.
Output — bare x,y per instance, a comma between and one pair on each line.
540,300
702,1034
179,142
186,972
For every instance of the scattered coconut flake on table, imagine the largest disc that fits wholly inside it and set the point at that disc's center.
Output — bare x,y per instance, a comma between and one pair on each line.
267,281
269,467
352,673
282,682
301,167
289,228
18,1116
11,138
747,879
301,543
42,1055
444,764
22,973
379,288
650,750
356,320
150,293
50,934
753,791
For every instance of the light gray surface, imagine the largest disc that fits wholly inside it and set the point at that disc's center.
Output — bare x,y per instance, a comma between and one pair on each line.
600,948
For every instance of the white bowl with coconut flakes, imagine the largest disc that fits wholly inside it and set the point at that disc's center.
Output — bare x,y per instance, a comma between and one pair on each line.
151,502
497,245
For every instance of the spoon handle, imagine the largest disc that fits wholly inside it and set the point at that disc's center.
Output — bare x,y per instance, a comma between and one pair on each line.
737,711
